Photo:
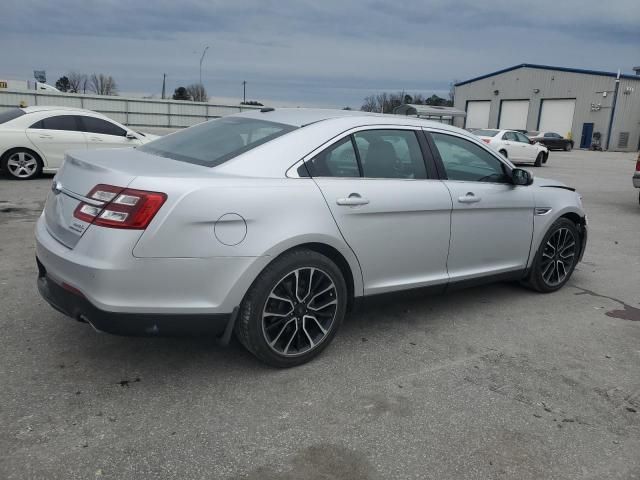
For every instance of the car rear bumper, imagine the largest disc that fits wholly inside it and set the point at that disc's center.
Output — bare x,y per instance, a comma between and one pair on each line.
72,303
102,267
636,179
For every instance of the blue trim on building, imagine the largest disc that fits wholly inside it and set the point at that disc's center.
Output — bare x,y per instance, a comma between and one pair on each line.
548,67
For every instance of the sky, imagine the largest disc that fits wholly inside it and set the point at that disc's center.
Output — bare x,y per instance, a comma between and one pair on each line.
311,53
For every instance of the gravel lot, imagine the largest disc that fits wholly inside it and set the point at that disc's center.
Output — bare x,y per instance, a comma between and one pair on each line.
490,382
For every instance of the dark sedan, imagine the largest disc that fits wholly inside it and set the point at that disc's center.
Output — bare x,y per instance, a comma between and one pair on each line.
551,140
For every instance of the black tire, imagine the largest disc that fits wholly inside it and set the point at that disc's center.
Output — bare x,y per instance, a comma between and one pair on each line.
537,279
539,160
252,329
8,160
545,158
568,146
504,153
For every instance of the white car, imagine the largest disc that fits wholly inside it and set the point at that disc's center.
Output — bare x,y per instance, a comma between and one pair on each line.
33,140
515,146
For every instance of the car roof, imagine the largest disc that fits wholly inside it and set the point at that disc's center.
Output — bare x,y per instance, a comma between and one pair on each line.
55,108
300,117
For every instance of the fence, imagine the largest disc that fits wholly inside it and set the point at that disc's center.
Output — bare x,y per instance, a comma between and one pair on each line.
133,112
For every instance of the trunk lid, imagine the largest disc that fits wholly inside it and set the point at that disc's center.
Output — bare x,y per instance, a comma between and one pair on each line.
83,170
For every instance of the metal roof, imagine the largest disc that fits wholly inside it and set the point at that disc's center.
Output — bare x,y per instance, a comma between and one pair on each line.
548,67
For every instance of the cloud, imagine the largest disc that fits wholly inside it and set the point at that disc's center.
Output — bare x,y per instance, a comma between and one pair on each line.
330,52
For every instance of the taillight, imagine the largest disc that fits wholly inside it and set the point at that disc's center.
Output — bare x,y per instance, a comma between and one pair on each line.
638,164
486,140
122,208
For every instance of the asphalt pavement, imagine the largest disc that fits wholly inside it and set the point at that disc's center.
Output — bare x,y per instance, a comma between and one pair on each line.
493,382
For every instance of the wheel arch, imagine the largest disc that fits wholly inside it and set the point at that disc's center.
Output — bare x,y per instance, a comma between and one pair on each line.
543,223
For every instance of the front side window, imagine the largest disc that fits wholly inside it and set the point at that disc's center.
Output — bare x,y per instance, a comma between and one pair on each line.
59,122
522,138
98,125
339,160
214,142
390,154
466,161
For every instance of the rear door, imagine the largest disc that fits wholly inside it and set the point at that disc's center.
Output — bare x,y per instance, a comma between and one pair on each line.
492,219
101,133
393,215
55,135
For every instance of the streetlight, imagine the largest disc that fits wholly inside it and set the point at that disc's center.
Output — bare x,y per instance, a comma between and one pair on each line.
244,91
201,59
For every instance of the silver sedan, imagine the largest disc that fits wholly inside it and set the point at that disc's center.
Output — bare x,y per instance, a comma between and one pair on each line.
273,224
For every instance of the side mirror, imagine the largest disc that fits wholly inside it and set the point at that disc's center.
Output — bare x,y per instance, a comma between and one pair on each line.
532,142
131,136
520,176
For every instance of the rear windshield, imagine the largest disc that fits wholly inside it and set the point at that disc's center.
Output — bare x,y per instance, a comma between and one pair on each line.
485,133
213,143
10,115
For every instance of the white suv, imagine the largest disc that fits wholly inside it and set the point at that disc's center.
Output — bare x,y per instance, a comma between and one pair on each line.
515,146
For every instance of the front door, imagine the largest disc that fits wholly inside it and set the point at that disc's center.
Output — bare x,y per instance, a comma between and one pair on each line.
492,219
393,217
104,134
529,152
587,134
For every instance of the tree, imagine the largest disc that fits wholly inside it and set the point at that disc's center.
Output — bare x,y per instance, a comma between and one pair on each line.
78,82
252,102
102,84
197,92
181,93
63,84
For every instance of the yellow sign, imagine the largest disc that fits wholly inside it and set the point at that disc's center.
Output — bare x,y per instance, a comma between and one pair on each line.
3,84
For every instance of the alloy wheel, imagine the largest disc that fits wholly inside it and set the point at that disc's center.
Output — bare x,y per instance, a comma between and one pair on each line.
558,257
22,165
300,311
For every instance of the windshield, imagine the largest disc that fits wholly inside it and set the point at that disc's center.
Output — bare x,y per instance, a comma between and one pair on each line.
213,143
10,115
485,133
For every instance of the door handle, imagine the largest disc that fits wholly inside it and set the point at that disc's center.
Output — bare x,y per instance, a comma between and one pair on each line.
95,139
352,200
46,136
469,198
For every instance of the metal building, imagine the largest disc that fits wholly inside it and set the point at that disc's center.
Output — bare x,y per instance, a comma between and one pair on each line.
568,101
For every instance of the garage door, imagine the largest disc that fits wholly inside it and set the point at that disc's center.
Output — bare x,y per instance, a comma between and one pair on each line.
557,116
478,114
513,114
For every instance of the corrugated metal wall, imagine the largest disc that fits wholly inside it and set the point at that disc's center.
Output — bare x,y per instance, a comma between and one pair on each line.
134,112
587,89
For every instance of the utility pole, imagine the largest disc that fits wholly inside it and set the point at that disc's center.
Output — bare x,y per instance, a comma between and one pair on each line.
164,83
244,91
201,59
613,110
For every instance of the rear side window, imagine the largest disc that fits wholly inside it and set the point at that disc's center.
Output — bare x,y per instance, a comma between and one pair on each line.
213,143
509,136
10,115
339,160
390,154
97,125
59,122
